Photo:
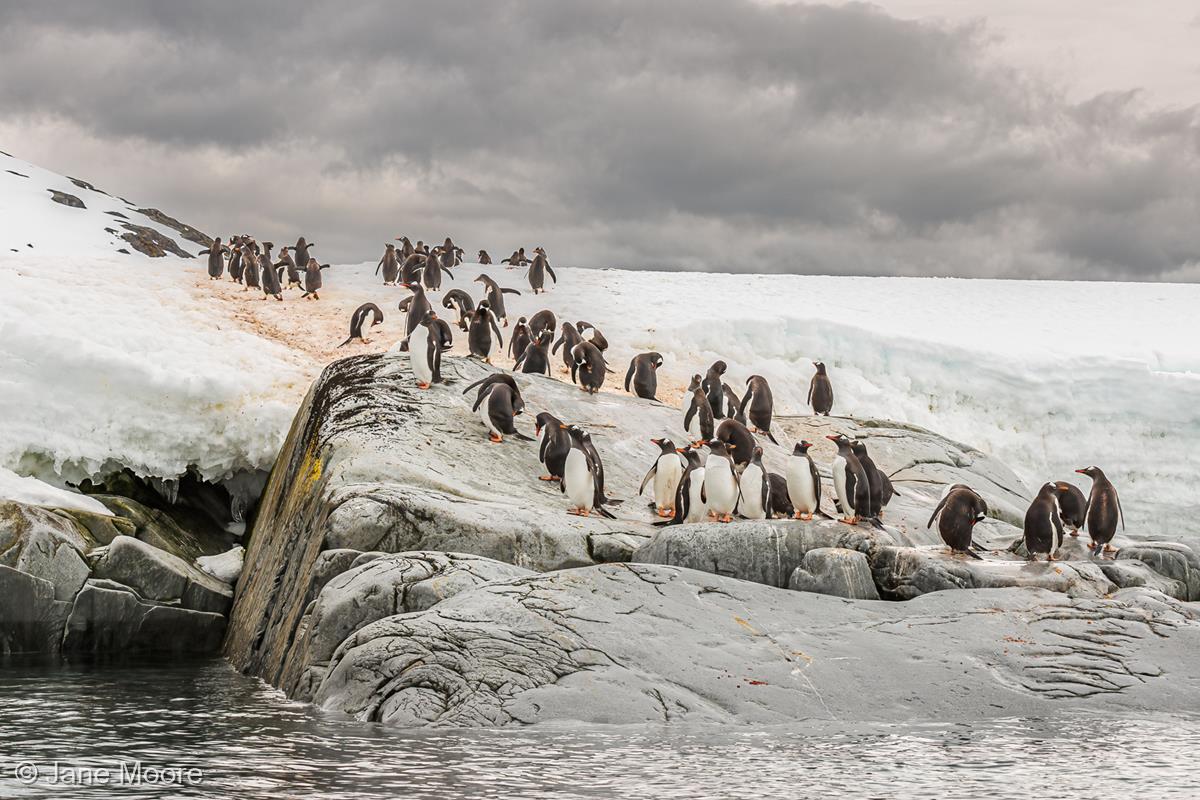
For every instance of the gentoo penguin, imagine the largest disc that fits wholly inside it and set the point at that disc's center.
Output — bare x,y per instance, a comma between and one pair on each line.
781,504
713,385
697,415
412,267
874,483
424,350
406,248
1072,506
567,341
417,306
459,299
588,367
803,482
498,403
270,278
440,261
484,385
755,489
590,333
820,391
543,320
479,333
216,259
886,490
519,339
690,503
312,279
758,405
517,259
720,481
235,261
495,297
740,440
445,340
553,444
583,475
538,267
666,473
250,267
959,511
536,358
1103,511
849,482
643,374
733,404
484,258
300,251
1043,528
293,272
390,264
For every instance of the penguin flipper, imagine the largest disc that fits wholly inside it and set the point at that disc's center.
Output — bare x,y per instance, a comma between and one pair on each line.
653,471
553,277
509,291
771,437
523,437
604,512
628,376
936,511
687,418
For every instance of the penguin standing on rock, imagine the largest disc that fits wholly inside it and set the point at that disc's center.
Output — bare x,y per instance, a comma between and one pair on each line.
690,505
713,386
588,367
758,406
643,374
697,415
1072,506
874,477
495,297
479,334
781,504
567,341
358,318
666,474
755,488
583,476
849,482
1043,528
498,404
216,259
553,444
1103,511
803,482
959,511
416,306
424,350
720,481
820,391
740,441
733,404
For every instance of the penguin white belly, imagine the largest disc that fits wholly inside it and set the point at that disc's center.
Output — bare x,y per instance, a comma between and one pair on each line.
666,480
696,506
485,415
752,481
577,481
720,485
839,486
801,491
418,354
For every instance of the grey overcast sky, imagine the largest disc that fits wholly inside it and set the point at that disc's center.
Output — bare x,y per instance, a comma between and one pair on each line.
912,137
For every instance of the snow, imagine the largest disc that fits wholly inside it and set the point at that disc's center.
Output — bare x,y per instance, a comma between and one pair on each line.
38,493
110,360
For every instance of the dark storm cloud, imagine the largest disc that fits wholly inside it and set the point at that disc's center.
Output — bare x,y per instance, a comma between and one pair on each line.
712,135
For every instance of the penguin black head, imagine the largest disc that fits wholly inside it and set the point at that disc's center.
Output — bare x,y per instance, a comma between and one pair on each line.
718,367
484,305
390,246
820,367
720,447
665,445
1091,472
801,447
695,383
858,447
839,439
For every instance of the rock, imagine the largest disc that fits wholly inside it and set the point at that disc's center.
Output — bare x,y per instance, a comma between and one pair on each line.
383,587
186,231
45,545
1129,573
31,619
106,620
157,528
150,242
631,643
157,575
101,528
902,573
226,567
1176,561
614,548
65,199
836,571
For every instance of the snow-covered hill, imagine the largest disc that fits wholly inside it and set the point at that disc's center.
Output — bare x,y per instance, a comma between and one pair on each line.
112,359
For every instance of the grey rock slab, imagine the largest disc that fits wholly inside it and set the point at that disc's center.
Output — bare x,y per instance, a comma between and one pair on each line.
632,643
157,575
836,571
1171,559
44,544
31,619
110,621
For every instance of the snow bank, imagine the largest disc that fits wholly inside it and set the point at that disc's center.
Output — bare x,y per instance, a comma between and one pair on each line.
38,493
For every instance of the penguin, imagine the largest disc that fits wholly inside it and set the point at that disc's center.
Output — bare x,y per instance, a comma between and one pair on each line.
497,410
412,267
874,484
312,279
690,505
216,259
781,504
583,476
425,349
358,318
643,373
1043,528
720,481
820,391
959,511
740,440
517,259
803,482
460,300
250,267
713,386
849,482
590,333
538,268
758,405
417,306
519,339
543,320
553,444
1072,506
755,488
485,384
235,261
270,278
484,258
438,262
1103,511
495,297
406,249
479,334
390,264
886,490
293,272
567,341
698,416
666,473
588,367
733,403
300,251
444,341
536,358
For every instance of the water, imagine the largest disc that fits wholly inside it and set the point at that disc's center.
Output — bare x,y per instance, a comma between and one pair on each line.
248,741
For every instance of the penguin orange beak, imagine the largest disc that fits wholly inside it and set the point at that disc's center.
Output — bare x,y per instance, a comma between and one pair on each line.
1081,472
562,427
680,450
831,438
657,441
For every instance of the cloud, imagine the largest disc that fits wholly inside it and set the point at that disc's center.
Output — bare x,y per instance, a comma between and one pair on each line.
697,134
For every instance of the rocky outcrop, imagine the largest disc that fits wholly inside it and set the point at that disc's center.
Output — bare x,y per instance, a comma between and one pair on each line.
633,643
835,571
185,230
65,199
150,242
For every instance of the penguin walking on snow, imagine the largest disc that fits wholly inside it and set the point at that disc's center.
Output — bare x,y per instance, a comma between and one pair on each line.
479,334
850,482
519,339
820,391
1103,511
697,413
358,318
270,278
460,300
567,341
495,297
1043,529
588,367
1072,506
959,511
216,259
720,481
312,279
758,405
535,360
643,374
539,267
755,488
390,264
666,473
803,482
289,264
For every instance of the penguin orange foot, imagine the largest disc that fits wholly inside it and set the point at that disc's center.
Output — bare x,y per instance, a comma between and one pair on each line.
495,438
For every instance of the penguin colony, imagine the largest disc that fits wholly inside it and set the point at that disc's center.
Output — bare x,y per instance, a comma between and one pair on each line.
716,475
